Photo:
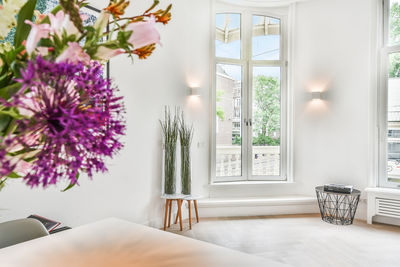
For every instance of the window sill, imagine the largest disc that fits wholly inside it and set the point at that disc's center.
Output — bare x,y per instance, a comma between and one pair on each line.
382,190
245,183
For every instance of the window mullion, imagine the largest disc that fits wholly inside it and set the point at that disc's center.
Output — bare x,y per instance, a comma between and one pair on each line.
245,95
248,92
250,127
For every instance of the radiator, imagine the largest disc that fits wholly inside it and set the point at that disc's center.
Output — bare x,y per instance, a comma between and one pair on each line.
388,207
383,202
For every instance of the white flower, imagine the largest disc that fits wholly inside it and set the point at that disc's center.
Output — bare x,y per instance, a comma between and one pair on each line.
102,21
8,10
4,47
104,53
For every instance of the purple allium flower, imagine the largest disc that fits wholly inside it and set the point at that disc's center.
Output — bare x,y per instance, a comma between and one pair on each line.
72,119
6,166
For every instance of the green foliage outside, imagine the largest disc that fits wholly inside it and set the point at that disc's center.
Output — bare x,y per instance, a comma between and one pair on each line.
394,65
266,141
394,38
266,106
220,111
237,140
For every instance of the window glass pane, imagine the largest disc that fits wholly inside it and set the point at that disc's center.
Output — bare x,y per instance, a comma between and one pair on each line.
266,38
227,35
394,22
266,120
228,120
394,118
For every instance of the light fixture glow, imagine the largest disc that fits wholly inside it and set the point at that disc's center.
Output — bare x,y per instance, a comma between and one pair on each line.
316,96
194,91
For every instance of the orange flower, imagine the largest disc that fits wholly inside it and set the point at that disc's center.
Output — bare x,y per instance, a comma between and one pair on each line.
39,16
23,52
144,51
163,16
117,7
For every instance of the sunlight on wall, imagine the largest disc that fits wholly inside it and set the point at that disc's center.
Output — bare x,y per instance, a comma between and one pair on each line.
318,85
317,107
192,81
194,103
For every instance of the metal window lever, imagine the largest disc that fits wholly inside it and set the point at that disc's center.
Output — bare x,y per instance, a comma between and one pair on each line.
247,122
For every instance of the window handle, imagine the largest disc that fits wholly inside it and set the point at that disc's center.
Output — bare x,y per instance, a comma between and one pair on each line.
250,123
246,123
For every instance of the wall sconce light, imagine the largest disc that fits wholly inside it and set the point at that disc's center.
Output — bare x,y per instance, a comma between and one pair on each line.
316,96
194,91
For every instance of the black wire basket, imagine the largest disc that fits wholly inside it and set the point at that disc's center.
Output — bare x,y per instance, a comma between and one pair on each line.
337,208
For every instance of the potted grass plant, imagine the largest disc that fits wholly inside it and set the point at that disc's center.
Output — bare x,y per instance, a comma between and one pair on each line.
185,136
170,134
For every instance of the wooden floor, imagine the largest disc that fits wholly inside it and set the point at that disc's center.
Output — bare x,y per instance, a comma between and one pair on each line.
303,240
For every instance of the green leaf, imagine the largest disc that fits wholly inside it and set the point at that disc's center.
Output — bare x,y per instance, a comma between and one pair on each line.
22,30
45,42
12,126
71,184
12,113
16,67
4,121
8,91
14,175
5,80
2,182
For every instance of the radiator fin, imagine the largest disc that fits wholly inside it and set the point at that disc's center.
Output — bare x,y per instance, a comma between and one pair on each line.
388,207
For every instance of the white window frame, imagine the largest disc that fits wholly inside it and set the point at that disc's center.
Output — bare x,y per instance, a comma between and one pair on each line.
247,65
385,51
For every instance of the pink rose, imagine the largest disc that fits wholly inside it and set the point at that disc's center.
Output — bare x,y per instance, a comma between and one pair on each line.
56,22
143,33
104,53
61,21
73,54
38,31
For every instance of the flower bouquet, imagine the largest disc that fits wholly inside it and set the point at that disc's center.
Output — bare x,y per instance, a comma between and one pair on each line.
59,115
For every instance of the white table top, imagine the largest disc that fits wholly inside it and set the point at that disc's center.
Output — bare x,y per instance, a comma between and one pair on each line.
114,242
181,196
173,196
192,197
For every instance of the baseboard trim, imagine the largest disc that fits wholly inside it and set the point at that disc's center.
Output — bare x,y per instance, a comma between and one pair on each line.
257,206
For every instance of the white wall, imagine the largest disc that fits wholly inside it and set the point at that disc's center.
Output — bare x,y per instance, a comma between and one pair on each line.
331,47
131,189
